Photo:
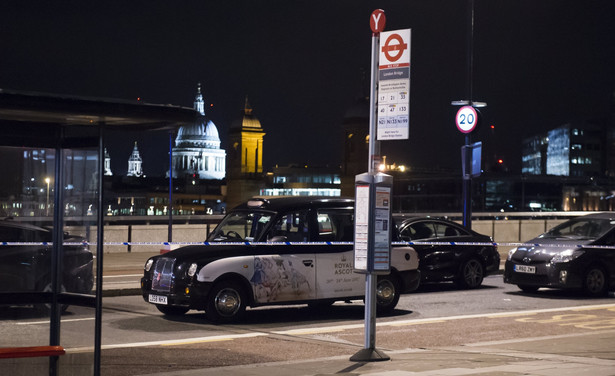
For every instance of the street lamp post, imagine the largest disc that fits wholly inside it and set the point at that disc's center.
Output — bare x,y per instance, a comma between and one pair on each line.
467,178
47,180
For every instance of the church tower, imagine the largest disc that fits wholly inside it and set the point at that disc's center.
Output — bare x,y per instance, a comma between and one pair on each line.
135,162
108,171
245,167
246,140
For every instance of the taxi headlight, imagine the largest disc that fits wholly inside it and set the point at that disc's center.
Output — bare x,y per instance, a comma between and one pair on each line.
511,253
567,255
148,265
192,269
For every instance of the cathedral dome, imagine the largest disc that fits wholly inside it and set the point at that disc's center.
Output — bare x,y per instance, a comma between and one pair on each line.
203,133
197,148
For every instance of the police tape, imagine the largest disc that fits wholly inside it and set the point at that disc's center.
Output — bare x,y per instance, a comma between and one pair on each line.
408,243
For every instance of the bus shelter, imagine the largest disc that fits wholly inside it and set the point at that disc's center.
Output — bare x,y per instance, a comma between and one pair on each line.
51,229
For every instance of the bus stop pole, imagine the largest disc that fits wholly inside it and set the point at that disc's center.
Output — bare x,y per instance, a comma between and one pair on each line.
370,353
374,151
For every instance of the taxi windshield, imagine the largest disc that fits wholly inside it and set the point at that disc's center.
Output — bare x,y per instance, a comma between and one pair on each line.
241,227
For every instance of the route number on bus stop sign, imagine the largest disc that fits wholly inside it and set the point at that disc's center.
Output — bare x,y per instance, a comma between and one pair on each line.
466,119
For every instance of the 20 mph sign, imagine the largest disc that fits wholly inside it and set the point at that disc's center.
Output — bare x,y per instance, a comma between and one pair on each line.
466,119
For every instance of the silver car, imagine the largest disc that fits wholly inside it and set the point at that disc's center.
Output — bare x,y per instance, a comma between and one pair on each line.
577,254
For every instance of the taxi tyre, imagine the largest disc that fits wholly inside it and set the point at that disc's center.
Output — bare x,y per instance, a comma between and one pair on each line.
172,311
471,274
595,281
387,293
226,302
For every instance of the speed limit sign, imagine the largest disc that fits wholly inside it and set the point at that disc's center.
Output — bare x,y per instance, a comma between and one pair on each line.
466,119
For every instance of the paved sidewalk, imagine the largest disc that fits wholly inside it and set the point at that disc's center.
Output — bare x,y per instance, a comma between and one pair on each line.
574,355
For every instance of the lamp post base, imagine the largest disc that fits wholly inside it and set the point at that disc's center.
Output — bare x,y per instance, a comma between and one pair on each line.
369,355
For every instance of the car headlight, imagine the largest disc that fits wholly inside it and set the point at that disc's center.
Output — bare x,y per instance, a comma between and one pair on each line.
192,269
148,265
567,255
511,253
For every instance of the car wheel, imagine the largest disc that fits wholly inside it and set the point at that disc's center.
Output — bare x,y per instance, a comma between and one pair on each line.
595,281
172,311
526,288
45,308
226,302
471,274
387,293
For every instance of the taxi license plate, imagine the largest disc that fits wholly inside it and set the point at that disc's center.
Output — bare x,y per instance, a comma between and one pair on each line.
525,269
157,299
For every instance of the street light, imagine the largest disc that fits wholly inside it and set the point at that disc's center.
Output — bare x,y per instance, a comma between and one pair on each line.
467,179
47,180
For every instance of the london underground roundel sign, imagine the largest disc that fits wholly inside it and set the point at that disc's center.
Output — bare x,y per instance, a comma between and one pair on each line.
466,119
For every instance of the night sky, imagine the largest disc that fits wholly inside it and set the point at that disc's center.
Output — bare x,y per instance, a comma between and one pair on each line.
537,63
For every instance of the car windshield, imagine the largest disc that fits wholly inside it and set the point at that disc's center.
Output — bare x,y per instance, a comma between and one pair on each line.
241,227
579,229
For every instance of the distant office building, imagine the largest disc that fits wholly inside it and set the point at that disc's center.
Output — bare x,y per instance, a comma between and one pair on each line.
197,149
303,181
571,150
135,163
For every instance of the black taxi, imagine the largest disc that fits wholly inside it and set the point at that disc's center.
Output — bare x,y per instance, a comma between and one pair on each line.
273,251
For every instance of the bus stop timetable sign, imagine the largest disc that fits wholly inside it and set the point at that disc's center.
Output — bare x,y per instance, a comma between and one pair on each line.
394,85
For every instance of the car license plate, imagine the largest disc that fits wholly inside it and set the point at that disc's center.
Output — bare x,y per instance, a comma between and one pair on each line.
157,299
525,269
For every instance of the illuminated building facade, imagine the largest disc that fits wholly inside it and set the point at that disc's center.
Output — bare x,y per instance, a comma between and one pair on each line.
197,151
576,150
245,169
303,181
246,137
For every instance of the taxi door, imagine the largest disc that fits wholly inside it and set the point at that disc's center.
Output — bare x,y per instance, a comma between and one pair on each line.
335,276
283,272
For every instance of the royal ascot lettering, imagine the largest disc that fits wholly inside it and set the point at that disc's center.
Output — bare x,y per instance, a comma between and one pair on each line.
343,268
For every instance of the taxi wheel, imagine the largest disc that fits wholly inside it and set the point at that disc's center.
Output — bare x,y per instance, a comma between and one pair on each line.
471,274
172,311
387,293
595,281
226,302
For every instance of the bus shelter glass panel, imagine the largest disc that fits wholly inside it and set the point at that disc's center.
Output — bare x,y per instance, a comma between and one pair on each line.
27,203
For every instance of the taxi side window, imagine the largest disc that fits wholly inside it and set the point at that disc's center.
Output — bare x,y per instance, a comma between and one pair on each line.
291,227
335,225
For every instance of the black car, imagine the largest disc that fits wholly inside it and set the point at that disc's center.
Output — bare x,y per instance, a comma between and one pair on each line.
273,251
28,267
577,254
463,264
